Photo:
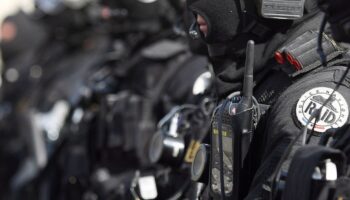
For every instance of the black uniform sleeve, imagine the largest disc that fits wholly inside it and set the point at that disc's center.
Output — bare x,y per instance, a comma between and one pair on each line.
288,115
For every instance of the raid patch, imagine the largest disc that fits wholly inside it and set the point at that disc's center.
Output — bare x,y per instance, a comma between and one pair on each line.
333,115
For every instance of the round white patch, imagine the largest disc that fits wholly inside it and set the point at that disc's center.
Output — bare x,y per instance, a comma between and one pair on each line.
333,115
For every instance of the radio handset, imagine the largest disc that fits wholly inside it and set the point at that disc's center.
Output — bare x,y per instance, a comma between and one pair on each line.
232,132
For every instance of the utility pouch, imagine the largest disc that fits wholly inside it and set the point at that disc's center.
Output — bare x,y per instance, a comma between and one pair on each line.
302,53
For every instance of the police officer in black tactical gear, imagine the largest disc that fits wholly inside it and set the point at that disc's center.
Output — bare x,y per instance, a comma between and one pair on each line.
289,77
321,171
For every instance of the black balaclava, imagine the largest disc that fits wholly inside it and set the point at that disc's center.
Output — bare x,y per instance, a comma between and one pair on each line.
222,17
229,29
235,20
196,46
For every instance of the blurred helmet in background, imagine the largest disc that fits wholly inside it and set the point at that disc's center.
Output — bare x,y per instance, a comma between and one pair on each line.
141,9
53,7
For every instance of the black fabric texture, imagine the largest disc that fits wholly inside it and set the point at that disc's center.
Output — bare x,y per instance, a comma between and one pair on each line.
337,17
196,46
250,166
338,190
180,87
282,125
343,188
311,6
221,16
271,86
228,58
342,141
229,69
299,181
233,20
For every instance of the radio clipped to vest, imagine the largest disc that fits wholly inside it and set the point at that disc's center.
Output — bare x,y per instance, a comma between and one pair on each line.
232,132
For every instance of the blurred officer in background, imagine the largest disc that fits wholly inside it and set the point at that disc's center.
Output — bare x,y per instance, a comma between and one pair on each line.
18,44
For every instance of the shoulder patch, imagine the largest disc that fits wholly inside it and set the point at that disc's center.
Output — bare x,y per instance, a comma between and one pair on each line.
334,115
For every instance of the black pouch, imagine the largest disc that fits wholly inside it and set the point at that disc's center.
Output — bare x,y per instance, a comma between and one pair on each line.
302,54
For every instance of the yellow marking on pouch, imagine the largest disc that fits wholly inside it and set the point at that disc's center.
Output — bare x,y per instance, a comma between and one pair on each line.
192,151
216,132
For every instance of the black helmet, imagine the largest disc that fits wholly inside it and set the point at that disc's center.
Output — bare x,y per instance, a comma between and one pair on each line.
148,16
140,9
52,7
